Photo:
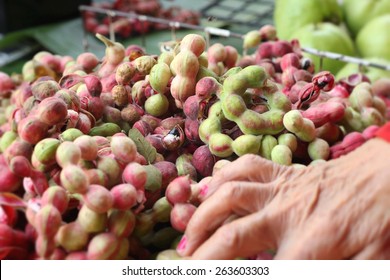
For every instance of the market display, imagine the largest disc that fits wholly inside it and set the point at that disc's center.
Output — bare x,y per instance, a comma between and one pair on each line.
100,156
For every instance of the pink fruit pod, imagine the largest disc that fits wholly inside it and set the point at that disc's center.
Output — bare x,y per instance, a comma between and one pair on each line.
6,85
203,161
264,50
121,223
370,131
84,123
280,48
98,199
135,174
68,153
103,246
101,141
181,215
140,159
179,190
73,179
123,148
151,120
124,73
206,87
47,221
93,84
143,127
191,107
95,106
191,130
268,33
57,196
44,89
79,255
32,130
124,196
44,247
96,176
108,82
88,147
52,111
111,168
168,172
88,61
9,182
58,254
324,112
72,237
156,141
290,59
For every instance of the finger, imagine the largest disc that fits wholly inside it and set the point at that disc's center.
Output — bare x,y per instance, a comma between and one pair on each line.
231,198
243,237
249,167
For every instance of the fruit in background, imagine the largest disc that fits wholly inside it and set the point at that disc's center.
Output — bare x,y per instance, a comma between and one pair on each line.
373,40
325,37
358,13
372,73
290,15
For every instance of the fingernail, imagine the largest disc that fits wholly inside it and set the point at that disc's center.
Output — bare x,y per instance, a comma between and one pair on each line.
182,244
203,190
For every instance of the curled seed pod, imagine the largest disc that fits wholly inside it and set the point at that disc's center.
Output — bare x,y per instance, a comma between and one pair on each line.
91,221
72,237
73,179
121,223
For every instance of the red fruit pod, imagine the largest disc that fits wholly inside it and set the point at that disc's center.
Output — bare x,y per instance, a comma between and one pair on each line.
280,48
179,190
44,89
8,215
124,196
103,246
88,147
203,161
135,174
88,61
56,196
181,215
168,172
47,221
52,111
96,176
32,130
98,199
123,148
74,180
290,59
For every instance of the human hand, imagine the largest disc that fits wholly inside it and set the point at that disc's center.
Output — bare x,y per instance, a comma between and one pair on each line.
336,210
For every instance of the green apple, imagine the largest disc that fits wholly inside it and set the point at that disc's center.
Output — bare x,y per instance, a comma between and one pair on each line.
372,73
358,13
325,37
373,40
290,15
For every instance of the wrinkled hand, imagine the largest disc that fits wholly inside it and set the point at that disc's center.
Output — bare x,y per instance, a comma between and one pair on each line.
336,210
